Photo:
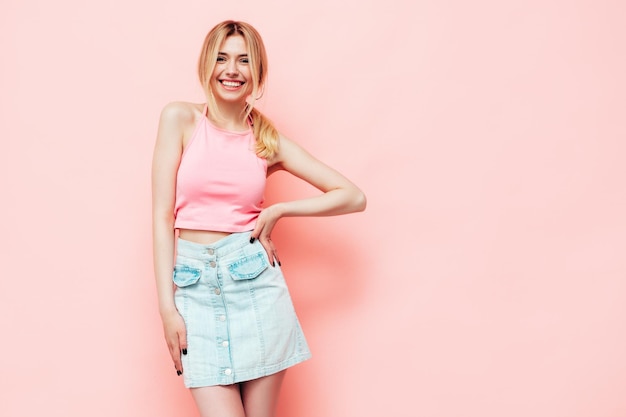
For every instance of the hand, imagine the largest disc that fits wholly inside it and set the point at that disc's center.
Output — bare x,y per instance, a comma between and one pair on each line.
264,225
176,338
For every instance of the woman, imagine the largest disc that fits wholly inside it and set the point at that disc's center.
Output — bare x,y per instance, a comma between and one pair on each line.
228,321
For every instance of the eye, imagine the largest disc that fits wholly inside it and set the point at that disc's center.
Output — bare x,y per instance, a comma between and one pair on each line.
244,60
221,59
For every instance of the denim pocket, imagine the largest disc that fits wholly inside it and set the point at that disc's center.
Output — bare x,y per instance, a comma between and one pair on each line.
248,267
185,276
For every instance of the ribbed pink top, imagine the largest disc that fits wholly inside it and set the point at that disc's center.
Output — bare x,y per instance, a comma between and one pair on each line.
220,180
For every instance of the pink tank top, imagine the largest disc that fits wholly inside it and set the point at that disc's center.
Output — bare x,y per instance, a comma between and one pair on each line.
220,181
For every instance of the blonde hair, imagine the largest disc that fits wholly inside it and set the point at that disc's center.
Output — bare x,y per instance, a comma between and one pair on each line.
265,133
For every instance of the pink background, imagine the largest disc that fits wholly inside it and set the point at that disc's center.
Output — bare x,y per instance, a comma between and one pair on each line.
485,279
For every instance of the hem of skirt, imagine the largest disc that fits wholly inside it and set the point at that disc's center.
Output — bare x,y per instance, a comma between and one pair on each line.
243,376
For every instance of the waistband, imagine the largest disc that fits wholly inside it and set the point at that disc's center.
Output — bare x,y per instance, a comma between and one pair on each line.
222,247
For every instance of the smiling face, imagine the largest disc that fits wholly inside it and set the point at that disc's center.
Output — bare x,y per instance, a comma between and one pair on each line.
232,67
231,79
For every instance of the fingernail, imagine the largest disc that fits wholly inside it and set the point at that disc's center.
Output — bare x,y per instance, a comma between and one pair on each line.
273,264
179,373
184,351
279,264
251,240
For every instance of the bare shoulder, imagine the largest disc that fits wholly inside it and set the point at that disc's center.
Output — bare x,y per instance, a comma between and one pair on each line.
285,149
296,160
291,157
180,113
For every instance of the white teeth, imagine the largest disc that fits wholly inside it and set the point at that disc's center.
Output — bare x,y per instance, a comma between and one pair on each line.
231,83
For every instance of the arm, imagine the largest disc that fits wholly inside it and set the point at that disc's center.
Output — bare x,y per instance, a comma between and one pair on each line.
167,153
339,195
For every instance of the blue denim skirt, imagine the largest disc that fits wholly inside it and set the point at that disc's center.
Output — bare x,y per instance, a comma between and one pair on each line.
240,320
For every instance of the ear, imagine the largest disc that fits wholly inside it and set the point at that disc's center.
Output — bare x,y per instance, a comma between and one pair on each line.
260,92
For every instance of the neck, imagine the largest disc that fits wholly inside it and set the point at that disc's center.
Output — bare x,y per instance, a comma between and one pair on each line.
230,116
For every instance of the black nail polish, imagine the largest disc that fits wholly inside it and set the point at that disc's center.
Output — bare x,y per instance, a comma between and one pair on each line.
279,264
184,351
252,240
273,264
179,373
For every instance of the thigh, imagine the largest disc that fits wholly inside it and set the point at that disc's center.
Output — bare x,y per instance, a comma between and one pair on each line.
219,401
260,396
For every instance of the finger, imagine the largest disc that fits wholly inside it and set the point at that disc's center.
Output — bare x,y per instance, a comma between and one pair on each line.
175,354
182,341
277,258
256,232
272,253
178,365
269,249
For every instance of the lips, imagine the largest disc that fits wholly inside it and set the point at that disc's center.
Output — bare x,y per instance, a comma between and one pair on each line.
231,83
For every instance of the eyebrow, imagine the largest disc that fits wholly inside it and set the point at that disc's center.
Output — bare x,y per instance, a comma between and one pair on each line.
224,53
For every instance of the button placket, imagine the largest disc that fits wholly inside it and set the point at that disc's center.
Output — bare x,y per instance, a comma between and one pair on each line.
211,263
226,372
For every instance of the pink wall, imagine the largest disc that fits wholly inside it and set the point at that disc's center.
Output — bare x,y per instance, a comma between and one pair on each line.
485,279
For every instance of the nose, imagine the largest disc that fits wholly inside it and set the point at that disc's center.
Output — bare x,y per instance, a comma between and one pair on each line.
231,69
